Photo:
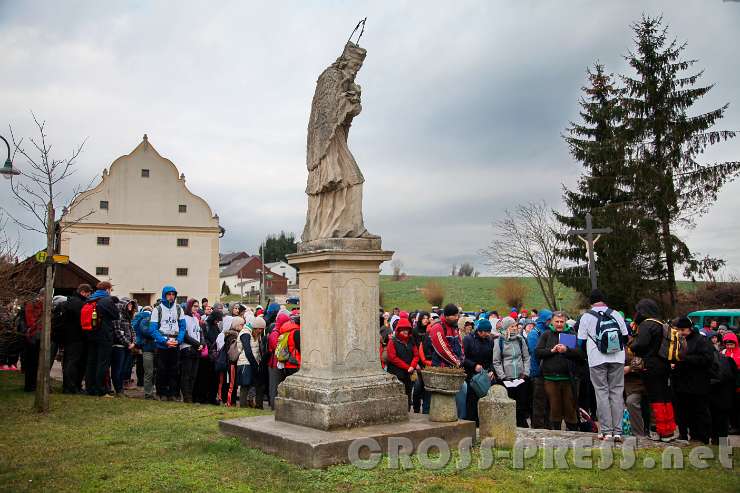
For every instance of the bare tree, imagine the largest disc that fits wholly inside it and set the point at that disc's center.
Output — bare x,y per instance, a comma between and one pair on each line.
36,191
525,243
397,266
454,270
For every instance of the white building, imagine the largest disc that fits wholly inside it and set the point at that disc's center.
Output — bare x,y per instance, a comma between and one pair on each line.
285,270
141,229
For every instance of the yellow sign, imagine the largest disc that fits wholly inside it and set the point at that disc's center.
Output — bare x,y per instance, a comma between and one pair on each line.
60,259
41,257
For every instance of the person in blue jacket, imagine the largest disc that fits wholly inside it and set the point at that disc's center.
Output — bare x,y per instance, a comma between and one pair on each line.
539,398
145,342
167,328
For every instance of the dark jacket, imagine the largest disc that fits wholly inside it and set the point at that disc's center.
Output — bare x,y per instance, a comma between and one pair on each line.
426,350
477,351
649,338
556,364
722,389
540,327
420,331
124,331
107,314
72,326
401,356
691,376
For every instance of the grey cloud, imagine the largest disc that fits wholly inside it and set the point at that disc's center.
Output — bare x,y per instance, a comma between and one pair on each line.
464,104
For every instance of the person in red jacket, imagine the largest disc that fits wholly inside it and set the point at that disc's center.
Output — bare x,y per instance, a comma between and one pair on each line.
446,339
403,355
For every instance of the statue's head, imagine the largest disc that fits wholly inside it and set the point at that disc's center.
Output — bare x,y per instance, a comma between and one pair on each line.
351,58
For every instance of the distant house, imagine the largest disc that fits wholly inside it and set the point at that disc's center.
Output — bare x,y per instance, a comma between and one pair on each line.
285,270
243,275
224,259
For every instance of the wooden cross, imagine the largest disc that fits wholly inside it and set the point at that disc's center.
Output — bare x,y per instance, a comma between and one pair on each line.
590,241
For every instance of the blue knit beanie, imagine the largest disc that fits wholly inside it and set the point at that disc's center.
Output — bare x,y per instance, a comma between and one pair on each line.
483,326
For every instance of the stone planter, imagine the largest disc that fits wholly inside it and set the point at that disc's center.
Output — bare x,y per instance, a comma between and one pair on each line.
443,385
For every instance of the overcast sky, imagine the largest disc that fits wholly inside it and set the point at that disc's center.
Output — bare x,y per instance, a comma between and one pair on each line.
464,103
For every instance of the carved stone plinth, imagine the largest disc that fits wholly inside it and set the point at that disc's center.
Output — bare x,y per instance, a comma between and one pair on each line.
340,383
497,413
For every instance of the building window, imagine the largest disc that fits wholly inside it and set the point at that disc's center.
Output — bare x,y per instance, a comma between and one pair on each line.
101,271
183,242
182,271
182,208
103,240
104,204
145,173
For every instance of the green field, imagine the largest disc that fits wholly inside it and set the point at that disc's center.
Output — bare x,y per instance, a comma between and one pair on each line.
98,444
473,293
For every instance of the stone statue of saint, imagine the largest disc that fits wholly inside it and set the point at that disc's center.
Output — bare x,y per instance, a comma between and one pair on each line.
334,180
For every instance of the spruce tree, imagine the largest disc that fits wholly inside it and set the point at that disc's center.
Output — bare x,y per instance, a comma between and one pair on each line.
604,189
670,185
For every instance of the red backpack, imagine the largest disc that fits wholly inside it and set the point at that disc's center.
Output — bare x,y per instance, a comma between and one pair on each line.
89,316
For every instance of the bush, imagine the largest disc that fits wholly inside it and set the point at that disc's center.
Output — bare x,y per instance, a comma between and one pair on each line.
434,293
709,295
512,292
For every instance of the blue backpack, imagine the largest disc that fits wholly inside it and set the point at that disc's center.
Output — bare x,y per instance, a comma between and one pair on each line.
609,338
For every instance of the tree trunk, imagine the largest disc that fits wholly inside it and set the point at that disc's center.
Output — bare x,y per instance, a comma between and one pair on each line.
670,264
41,403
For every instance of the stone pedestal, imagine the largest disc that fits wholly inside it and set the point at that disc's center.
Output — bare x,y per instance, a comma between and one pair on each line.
443,386
309,447
497,414
340,383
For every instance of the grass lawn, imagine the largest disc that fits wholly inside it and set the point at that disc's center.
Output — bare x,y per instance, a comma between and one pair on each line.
474,292
94,444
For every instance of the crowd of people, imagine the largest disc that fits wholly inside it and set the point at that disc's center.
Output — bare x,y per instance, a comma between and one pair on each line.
599,372
190,352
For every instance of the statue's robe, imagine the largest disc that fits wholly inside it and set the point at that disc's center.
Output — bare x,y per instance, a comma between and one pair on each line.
334,180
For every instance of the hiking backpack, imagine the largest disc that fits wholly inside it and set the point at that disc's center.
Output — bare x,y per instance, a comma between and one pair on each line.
233,351
609,338
89,319
719,371
282,351
673,345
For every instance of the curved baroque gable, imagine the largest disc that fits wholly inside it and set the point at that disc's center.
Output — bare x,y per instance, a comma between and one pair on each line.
134,198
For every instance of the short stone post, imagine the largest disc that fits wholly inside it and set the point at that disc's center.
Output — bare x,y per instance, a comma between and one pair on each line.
497,414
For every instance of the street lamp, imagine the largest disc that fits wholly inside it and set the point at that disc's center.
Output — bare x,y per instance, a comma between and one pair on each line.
8,171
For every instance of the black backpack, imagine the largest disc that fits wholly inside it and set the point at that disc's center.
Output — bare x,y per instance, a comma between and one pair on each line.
720,371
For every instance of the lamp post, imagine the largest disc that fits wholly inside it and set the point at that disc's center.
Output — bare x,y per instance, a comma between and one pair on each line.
41,402
8,170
